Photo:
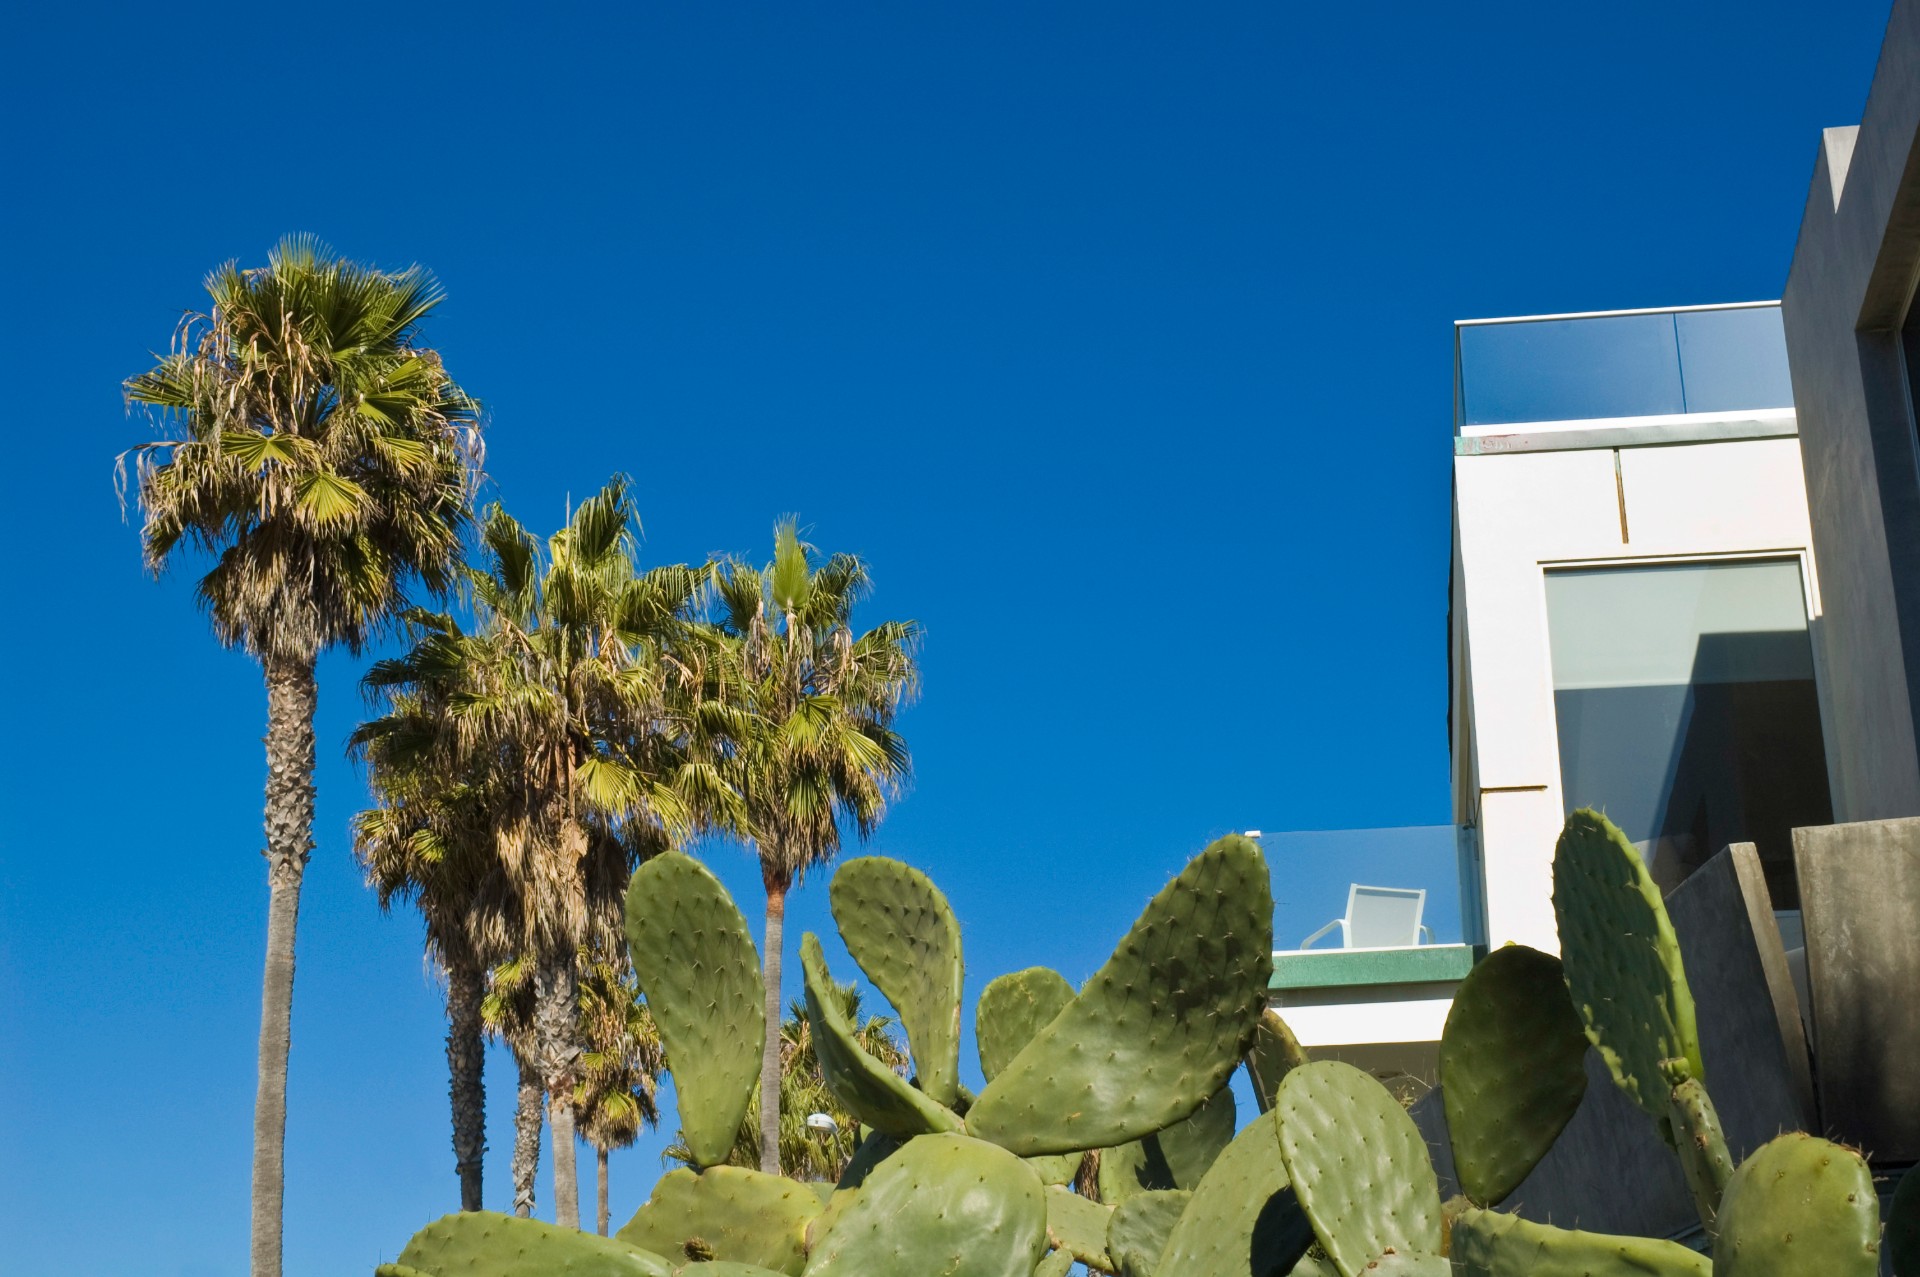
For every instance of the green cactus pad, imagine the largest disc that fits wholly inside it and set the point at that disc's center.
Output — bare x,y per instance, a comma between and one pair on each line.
1013,1009
697,966
484,1243
1137,1234
725,1268
1314,1265
1489,1244
1275,1052
1359,1165
943,1204
1702,1146
1173,1158
742,1215
1903,1227
1158,1029
1623,962
1056,1168
868,1089
1799,1207
1058,1263
1512,1069
898,927
1078,1225
398,1270
1243,1219
1408,1263
876,1148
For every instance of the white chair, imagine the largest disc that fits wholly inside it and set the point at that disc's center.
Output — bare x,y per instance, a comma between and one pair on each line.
1379,918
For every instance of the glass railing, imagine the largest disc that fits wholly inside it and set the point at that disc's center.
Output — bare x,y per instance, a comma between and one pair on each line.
1631,364
1315,871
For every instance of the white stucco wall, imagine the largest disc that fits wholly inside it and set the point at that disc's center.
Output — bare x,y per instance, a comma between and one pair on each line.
1516,515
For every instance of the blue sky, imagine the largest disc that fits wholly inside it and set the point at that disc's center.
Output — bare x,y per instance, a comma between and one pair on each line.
1115,336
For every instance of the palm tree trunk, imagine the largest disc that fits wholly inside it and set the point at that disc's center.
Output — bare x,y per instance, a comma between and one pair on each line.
600,1185
467,1088
291,697
770,1052
556,1021
526,1138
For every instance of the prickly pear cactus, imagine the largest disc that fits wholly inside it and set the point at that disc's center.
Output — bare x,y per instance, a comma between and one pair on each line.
1512,1069
1903,1227
1275,1052
1137,1234
1623,962
1158,1029
397,1270
899,928
870,1090
695,961
1799,1207
741,1215
1358,1164
1398,1263
1489,1244
1702,1146
487,1244
1079,1226
1172,1158
1243,1217
943,1204
1058,1263
1013,1009
724,1268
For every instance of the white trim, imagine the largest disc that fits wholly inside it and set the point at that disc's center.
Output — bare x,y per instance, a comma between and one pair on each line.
1608,314
1771,416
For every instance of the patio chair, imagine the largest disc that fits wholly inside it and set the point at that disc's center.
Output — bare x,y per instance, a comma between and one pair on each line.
1379,918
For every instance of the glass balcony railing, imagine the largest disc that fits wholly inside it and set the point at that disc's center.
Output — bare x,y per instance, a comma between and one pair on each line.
1315,874
1628,364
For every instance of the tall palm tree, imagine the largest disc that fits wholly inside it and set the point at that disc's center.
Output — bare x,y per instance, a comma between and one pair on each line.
429,840
567,696
506,1012
621,1067
807,734
806,1153
325,460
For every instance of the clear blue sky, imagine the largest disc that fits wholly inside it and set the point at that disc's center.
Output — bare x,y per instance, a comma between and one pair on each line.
1115,336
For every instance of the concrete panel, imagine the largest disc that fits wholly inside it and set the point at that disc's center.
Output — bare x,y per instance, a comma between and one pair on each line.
1859,901
1761,496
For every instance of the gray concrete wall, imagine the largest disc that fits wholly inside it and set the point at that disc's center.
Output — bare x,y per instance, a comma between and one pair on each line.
1610,1171
1846,296
1860,903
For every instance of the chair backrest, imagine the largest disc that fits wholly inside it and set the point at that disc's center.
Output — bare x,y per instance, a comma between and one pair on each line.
1384,917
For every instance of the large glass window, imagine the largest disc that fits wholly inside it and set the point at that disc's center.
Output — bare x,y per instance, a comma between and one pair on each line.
1687,711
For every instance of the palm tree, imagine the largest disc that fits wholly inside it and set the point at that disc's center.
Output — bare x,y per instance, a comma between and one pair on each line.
808,1154
567,695
429,840
621,1067
807,735
325,461
507,1013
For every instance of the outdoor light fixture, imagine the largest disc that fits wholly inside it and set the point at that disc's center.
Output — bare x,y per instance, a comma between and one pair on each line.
822,1122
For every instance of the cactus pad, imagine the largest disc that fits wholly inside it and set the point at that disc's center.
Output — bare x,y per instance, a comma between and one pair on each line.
1013,1009
1243,1219
1512,1069
487,1244
1137,1234
1079,1225
1056,1168
1275,1052
1702,1146
1799,1207
1172,1158
1489,1244
397,1270
1058,1263
725,1268
870,1090
696,964
744,1216
1359,1165
1407,1263
1623,962
898,927
1158,1029
943,1204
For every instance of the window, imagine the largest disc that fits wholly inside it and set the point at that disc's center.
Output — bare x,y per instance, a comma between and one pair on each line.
1687,712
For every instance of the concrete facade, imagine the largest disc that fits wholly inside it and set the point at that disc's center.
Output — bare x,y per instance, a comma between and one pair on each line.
1848,295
